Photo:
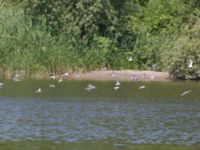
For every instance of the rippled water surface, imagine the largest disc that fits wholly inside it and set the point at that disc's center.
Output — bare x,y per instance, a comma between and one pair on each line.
105,118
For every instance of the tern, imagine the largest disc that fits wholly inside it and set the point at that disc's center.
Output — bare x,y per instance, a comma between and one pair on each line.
66,74
190,63
53,77
90,87
142,87
39,90
117,83
186,92
116,88
130,58
60,80
52,86
1,84
16,78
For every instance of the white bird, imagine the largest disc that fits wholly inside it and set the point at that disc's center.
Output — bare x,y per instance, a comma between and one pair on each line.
53,77
142,87
186,92
90,87
130,58
190,63
116,88
16,78
1,84
66,74
117,83
60,80
52,86
39,90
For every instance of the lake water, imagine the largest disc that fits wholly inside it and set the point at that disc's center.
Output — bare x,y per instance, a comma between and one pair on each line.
69,117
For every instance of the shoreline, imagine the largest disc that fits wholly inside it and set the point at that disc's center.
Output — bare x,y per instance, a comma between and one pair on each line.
98,75
121,75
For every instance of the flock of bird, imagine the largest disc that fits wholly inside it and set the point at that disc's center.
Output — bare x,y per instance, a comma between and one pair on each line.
91,87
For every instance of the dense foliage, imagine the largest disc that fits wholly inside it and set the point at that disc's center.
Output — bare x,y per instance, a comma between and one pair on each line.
55,36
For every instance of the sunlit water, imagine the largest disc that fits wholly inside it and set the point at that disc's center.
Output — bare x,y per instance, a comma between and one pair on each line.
68,113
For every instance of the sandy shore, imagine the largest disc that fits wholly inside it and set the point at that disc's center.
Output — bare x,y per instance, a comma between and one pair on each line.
123,75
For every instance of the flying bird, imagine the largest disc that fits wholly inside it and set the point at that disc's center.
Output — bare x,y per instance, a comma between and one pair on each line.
190,63
16,78
130,58
52,86
60,80
90,87
117,83
186,92
1,84
39,90
116,88
142,87
53,77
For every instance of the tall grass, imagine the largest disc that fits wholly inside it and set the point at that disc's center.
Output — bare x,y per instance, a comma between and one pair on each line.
31,49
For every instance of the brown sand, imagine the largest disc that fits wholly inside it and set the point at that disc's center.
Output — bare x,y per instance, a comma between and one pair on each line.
122,75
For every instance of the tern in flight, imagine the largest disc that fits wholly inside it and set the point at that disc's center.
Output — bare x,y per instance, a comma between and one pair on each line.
190,63
186,92
142,87
117,83
130,58
52,86
1,84
39,90
90,87
116,88
60,80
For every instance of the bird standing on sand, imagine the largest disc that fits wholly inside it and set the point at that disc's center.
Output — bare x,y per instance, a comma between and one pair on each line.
66,74
186,92
134,77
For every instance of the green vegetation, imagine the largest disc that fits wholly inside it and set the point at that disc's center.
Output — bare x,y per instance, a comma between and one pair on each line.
63,35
